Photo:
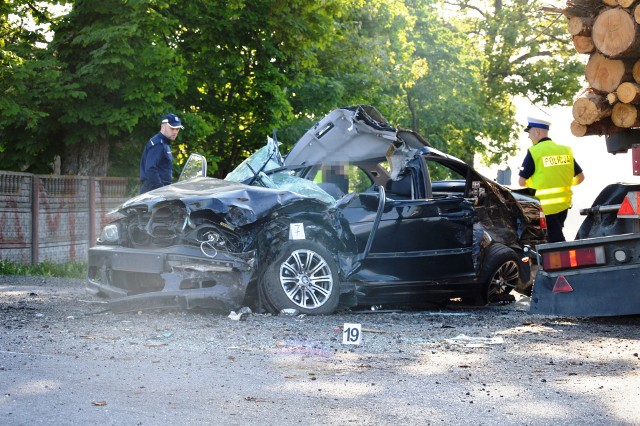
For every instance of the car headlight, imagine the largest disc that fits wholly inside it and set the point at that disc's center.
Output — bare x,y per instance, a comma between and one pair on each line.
109,234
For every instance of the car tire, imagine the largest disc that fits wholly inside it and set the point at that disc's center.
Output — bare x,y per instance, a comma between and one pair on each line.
500,273
302,276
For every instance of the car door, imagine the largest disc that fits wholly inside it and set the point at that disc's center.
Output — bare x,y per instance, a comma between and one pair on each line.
424,239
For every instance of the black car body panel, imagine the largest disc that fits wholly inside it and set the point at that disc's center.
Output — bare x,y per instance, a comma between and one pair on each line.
432,246
212,243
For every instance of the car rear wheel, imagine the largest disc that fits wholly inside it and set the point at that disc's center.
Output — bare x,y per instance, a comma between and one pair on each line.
303,276
500,273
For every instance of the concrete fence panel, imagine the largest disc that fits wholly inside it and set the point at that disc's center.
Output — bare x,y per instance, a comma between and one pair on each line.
55,218
16,216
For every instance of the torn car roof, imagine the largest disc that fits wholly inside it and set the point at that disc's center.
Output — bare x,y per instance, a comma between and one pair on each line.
349,134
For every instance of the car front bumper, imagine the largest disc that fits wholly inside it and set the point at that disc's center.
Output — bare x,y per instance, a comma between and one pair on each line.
172,277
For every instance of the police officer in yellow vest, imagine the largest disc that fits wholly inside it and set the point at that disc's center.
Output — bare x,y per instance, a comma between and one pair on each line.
551,170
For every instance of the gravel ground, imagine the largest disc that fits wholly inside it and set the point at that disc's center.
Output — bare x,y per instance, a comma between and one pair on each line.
66,359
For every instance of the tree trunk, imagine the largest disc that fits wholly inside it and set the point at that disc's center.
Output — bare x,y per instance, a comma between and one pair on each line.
615,34
591,107
612,3
580,26
599,128
605,74
628,92
86,159
624,115
612,98
583,44
412,110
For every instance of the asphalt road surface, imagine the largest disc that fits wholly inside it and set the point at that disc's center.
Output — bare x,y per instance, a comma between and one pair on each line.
65,359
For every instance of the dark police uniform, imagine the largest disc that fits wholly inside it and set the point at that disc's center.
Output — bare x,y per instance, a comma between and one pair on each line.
156,164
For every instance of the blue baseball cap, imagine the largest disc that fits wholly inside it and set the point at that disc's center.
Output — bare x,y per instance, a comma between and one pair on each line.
173,121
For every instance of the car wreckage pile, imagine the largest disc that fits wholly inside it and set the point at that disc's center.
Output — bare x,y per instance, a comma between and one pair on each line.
358,213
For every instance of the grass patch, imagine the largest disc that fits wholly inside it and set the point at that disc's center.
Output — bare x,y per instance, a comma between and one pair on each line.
46,269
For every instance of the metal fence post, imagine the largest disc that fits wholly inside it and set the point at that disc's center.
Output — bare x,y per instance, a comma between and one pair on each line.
35,220
92,212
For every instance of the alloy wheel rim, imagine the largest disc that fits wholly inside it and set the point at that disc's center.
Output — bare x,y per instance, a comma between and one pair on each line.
504,279
306,279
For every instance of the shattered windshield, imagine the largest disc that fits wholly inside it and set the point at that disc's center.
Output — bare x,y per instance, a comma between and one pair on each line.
256,168
266,158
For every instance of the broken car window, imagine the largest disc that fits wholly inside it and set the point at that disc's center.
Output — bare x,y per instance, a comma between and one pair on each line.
261,160
267,159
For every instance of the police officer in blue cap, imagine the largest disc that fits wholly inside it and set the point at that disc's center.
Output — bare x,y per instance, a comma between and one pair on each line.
156,162
551,170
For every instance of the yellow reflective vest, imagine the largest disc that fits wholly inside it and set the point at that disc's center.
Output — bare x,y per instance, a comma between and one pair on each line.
553,175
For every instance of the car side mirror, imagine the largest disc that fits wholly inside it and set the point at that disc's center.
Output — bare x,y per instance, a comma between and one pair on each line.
195,166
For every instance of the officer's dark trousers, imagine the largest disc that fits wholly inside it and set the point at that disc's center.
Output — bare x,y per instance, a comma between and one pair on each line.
555,223
146,186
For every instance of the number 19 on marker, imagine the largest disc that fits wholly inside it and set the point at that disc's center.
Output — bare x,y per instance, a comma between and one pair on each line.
352,334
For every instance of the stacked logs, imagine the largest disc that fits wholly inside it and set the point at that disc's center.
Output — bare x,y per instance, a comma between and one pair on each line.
609,32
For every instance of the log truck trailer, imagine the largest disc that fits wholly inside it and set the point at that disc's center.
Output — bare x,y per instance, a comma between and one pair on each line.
598,274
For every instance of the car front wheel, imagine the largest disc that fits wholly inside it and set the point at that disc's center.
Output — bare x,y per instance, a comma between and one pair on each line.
303,276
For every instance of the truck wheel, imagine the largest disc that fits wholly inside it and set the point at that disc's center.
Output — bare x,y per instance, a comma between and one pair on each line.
303,276
500,273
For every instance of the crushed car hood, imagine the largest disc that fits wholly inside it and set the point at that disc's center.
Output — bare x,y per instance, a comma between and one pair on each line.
239,204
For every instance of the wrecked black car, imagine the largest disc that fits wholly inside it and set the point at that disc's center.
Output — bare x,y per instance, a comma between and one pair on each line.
358,213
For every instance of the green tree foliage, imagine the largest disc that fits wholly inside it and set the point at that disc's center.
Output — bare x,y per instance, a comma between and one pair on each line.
255,66
244,59
236,70
448,104
528,52
121,55
524,52
368,59
26,75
